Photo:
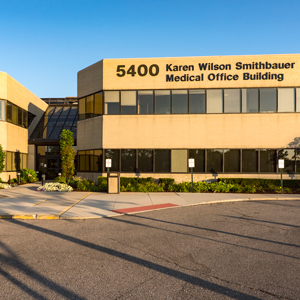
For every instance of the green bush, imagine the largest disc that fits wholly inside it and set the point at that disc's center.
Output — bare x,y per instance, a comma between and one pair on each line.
60,179
29,175
166,182
22,180
13,180
102,180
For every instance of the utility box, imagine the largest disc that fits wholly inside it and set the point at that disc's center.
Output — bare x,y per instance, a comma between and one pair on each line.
113,183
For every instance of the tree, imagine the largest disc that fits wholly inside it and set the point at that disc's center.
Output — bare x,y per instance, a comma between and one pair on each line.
2,158
67,153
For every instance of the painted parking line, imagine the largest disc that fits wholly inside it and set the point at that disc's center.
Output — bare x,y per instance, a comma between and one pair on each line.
39,202
143,208
73,205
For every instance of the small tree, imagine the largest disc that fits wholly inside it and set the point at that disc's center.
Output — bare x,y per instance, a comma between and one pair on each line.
2,158
67,153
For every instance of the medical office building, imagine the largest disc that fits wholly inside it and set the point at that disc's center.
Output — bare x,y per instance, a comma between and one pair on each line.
235,115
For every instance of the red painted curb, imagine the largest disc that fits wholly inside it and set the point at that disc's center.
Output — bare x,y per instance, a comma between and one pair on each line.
143,208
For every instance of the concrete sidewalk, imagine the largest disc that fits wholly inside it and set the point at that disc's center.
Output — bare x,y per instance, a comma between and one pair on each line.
24,202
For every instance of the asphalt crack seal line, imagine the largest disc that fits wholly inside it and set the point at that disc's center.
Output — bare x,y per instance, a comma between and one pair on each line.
64,211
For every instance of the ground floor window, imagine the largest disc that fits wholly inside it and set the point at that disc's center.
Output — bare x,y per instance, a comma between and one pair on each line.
15,161
213,161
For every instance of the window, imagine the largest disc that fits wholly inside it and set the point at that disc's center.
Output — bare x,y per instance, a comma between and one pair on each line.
214,161
114,155
180,102
197,101
199,156
297,99
268,97
162,102
214,101
8,161
179,161
89,107
89,160
231,160
112,103
14,114
162,161
249,161
97,162
128,102
81,160
81,109
289,159
232,101
267,161
145,160
2,110
9,112
128,160
98,104
145,102
249,100
286,100
25,119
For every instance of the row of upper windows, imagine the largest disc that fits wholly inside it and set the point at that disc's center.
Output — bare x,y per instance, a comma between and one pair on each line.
176,160
14,114
200,101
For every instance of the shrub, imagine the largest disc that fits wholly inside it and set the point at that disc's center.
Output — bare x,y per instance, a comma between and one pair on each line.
22,180
166,182
29,175
4,186
60,179
13,180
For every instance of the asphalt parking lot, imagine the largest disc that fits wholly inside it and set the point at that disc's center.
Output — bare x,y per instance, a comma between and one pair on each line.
230,250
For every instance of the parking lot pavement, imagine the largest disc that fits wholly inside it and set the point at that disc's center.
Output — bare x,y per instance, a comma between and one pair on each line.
24,202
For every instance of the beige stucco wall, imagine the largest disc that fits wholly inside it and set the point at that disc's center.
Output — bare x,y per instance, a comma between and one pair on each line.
3,134
31,157
90,80
274,130
89,134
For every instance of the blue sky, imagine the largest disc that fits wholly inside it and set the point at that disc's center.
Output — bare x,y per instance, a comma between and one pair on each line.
44,43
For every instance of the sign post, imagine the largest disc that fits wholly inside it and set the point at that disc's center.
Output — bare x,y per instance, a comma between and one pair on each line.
108,164
281,166
191,166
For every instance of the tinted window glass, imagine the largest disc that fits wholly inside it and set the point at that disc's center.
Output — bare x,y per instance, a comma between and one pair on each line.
199,156
97,162
128,160
232,101
162,102
114,155
162,161
197,101
89,106
81,160
232,160
112,103
9,112
215,161
81,109
286,100
98,104
249,100
179,161
25,119
89,157
128,102
145,102
2,110
267,161
268,99
180,102
249,161
214,101
145,160
15,114
298,99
